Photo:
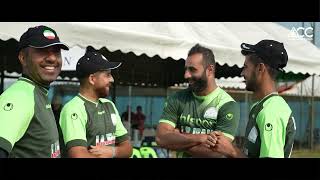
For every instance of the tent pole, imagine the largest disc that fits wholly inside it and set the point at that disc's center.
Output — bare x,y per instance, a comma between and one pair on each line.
312,113
129,112
301,116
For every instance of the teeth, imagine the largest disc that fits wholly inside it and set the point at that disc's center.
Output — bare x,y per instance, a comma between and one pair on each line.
49,68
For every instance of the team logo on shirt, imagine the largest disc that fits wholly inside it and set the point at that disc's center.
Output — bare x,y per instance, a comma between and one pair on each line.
229,116
8,107
114,119
48,106
211,113
74,116
55,150
106,139
268,127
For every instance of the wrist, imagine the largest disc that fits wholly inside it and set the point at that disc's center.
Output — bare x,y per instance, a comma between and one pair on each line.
233,153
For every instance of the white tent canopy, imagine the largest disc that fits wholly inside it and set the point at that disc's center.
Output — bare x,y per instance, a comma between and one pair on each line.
174,39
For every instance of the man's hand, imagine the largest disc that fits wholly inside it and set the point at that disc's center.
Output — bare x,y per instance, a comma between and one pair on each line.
206,140
102,151
223,144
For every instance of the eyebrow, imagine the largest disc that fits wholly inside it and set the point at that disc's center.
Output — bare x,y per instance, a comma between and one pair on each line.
189,67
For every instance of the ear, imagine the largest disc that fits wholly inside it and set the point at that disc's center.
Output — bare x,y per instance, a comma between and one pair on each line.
261,67
211,69
91,79
22,58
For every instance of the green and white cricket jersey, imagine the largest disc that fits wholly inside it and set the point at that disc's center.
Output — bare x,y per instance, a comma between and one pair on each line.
85,123
202,114
27,124
271,128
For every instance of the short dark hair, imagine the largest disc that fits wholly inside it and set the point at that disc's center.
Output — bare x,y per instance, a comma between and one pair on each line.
207,54
25,51
82,80
255,59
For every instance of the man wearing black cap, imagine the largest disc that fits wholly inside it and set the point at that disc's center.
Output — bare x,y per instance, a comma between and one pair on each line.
90,124
27,123
271,127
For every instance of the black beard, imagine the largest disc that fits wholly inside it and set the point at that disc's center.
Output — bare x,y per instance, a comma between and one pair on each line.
251,84
101,92
199,83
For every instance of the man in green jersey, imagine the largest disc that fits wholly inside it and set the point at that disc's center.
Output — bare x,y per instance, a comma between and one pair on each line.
27,124
191,114
90,124
271,127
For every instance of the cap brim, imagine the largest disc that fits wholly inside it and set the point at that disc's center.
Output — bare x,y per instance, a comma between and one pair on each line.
62,45
113,65
247,48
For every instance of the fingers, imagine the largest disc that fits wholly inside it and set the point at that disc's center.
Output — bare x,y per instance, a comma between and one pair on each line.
217,133
96,152
210,141
93,150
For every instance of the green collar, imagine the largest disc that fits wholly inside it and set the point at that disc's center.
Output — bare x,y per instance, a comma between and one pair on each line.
29,80
84,98
213,94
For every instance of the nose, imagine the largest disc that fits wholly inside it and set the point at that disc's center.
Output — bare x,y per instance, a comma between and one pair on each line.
242,73
111,80
51,57
53,54
187,74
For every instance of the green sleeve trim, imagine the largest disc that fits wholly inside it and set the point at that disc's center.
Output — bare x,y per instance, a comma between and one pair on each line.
168,122
272,134
16,111
120,129
5,144
171,109
73,120
228,135
76,142
122,138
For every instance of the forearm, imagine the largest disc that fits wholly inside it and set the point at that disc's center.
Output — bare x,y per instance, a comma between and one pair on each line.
236,153
123,150
177,141
203,151
80,152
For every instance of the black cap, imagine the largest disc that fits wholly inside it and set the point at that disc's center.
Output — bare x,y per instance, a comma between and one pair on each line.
40,37
93,62
271,52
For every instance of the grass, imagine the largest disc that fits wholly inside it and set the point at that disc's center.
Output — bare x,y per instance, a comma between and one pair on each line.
305,154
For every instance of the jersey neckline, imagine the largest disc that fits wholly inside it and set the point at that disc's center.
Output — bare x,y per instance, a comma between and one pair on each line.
211,94
30,81
86,99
